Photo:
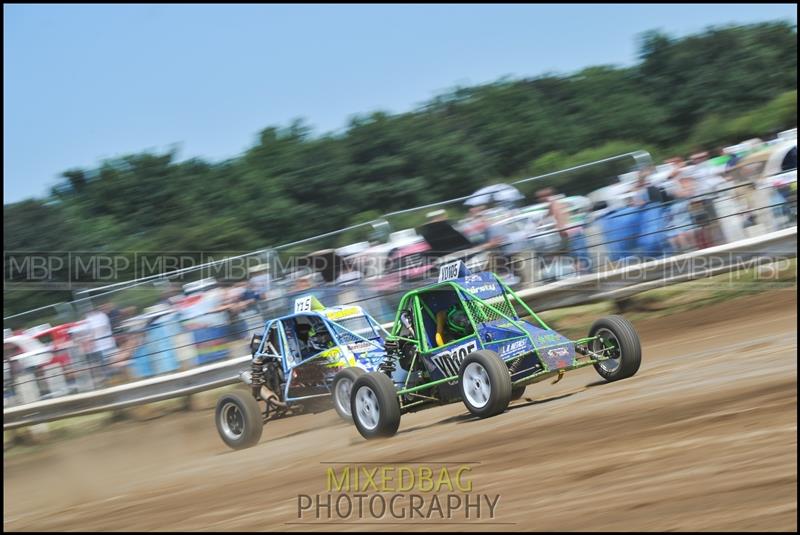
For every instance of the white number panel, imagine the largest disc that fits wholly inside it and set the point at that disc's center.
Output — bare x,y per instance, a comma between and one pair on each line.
302,304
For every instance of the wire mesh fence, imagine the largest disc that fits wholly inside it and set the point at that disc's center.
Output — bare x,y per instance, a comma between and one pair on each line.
174,316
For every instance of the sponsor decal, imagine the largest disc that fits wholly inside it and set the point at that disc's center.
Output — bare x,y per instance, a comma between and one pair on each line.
544,339
338,314
488,287
449,361
338,357
558,352
513,347
360,347
332,352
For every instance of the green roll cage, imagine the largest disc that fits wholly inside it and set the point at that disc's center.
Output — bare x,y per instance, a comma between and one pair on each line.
478,311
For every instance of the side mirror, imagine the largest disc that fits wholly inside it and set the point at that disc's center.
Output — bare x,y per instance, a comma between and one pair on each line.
255,342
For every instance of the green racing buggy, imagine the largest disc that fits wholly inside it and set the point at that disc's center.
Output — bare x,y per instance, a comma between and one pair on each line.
463,338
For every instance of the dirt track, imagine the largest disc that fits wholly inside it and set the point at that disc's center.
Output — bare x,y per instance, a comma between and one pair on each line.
704,437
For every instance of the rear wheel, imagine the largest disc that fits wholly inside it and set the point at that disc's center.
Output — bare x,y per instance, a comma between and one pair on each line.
340,391
374,405
517,392
616,338
485,383
238,419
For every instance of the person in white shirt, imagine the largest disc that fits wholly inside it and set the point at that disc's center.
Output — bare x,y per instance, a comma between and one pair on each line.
103,344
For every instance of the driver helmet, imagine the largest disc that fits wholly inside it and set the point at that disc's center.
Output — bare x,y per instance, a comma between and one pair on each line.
457,321
321,337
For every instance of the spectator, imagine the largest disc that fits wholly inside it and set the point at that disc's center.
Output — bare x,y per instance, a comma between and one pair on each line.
260,280
728,204
682,225
239,304
251,294
650,201
117,364
572,246
436,215
115,317
705,180
501,247
558,212
640,189
103,343
304,283
475,225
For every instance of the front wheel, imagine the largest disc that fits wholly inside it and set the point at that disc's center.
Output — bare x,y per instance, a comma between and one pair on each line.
374,405
238,419
616,338
340,391
485,383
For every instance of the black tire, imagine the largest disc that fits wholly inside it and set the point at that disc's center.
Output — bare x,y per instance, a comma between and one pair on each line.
239,420
374,405
341,400
517,392
485,383
618,334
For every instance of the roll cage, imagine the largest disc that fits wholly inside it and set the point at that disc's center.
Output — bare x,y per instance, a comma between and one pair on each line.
495,323
479,311
277,343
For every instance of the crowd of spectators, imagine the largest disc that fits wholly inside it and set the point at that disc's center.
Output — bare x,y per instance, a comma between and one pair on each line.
680,205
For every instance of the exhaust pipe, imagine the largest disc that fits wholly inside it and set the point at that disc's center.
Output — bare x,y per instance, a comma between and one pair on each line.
265,393
270,397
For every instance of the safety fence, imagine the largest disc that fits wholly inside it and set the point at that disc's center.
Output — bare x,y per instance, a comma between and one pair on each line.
613,283
172,341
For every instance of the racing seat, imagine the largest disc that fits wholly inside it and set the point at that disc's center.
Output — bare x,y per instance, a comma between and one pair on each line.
294,355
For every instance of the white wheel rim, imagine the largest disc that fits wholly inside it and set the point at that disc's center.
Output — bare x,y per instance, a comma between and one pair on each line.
367,408
232,421
343,389
476,385
599,346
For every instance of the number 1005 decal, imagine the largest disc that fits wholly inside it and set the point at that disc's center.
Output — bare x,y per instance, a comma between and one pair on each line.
449,362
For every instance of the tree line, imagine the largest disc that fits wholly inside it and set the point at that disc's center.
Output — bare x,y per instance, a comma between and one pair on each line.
701,91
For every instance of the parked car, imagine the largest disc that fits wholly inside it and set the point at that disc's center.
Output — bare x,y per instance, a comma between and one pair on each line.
773,173
29,373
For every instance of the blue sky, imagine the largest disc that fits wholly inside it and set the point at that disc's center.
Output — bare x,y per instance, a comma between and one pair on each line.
87,82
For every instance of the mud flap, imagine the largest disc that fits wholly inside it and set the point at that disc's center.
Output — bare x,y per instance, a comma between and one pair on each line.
560,375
